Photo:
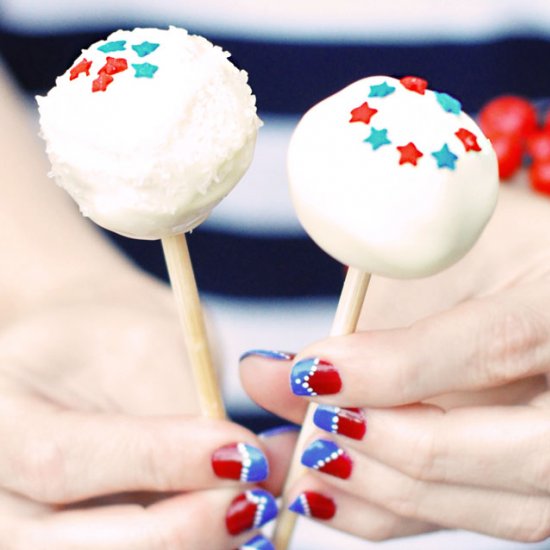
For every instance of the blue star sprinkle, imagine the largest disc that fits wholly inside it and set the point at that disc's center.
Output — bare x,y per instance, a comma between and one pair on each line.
144,70
449,103
114,46
377,138
381,90
145,48
445,158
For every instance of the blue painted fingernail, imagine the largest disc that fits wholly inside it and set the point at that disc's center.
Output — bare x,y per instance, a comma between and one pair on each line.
314,376
259,542
268,354
314,505
339,420
325,456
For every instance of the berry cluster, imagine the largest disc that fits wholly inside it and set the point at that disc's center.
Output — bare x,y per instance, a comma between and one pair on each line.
513,126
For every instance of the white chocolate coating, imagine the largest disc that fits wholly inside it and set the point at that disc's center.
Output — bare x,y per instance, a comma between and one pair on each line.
150,155
369,211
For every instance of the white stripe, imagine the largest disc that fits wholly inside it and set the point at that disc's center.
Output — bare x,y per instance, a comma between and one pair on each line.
260,204
347,20
240,325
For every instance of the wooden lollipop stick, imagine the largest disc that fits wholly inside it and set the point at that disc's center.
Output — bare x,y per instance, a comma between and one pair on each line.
345,322
189,309
350,303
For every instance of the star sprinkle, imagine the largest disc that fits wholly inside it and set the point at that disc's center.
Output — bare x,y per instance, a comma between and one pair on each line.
101,82
114,46
377,138
363,113
445,158
114,65
381,90
409,153
449,103
414,84
81,67
144,70
469,140
145,48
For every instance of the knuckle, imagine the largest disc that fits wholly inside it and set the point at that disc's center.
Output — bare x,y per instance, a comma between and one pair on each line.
539,475
533,525
404,501
161,540
42,471
384,529
507,347
401,376
424,461
155,461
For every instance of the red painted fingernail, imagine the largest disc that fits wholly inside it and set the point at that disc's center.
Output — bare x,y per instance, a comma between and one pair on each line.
341,421
325,456
314,505
314,376
250,510
240,461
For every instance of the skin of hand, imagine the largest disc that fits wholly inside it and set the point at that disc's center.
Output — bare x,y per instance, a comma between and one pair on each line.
450,378
103,447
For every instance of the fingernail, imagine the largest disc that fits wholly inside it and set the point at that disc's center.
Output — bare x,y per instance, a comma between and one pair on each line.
314,505
240,461
314,376
325,456
259,542
278,430
341,421
250,510
268,354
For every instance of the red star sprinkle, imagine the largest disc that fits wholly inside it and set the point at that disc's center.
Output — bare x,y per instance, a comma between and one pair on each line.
362,113
81,67
409,153
101,82
414,84
114,65
469,140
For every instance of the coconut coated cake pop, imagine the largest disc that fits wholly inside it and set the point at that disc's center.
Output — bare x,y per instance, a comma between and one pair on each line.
392,178
149,130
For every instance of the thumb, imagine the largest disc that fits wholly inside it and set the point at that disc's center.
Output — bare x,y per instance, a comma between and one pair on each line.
482,343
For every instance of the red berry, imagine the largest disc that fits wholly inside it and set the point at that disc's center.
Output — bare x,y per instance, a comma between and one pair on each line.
539,176
538,145
508,115
547,120
509,154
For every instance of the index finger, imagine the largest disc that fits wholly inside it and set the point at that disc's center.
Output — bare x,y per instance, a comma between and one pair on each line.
482,343
59,456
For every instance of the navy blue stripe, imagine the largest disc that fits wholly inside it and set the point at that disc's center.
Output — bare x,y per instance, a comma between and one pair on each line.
298,76
289,77
247,266
259,422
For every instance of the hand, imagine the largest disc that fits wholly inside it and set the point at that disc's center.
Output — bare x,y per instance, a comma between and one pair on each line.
102,447
449,376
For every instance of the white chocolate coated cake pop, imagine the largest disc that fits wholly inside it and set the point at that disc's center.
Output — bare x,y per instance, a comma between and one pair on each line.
149,130
392,178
